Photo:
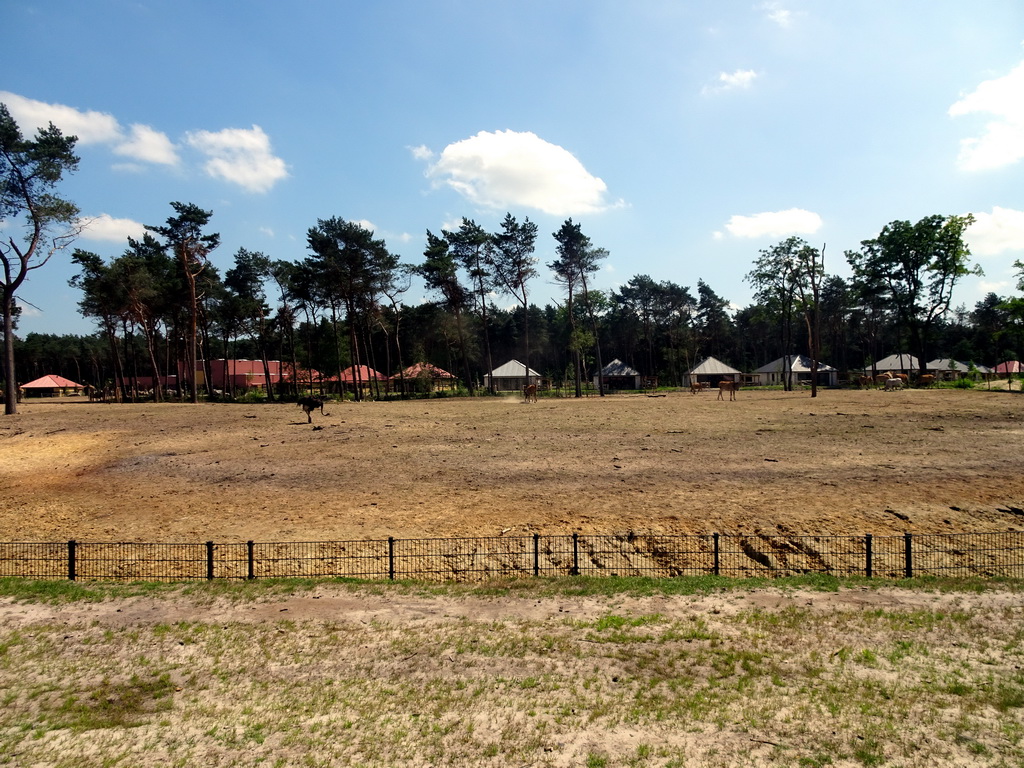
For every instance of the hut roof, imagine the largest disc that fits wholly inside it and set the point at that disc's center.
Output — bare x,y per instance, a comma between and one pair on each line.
1010,366
52,381
424,369
713,367
897,362
366,373
512,369
795,363
618,368
940,364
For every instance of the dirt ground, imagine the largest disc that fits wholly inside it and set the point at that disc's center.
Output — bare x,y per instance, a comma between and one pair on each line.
924,461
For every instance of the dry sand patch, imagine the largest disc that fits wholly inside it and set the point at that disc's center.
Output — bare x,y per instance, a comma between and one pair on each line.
847,462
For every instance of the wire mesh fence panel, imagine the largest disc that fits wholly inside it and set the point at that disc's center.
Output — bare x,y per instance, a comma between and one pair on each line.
888,557
746,556
556,556
228,561
133,561
470,559
34,560
832,555
968,554
999,554
645,555
321,559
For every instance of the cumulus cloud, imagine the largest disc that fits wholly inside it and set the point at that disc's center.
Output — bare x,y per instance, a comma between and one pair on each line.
795,221
240,156
422,152
998,232
108,229
148,145
91,127
731,81
508,169
1001,142
776,13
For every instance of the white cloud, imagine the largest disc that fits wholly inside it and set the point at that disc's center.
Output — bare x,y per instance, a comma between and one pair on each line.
994,233
1002,141
240,156
795,221
775,12
108,229
90,127
731,81
508,169
148,145
422,152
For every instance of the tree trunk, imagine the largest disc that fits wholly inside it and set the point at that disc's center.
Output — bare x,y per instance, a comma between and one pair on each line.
10,380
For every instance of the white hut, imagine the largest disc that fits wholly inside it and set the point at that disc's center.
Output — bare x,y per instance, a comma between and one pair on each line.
618,375
712,371
511,377
898,363
800,367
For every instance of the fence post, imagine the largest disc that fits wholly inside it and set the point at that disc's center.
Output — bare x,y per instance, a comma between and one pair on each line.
717,569
536,554
391,558
249,556
908,556
209,561
867,546
575,555
71,560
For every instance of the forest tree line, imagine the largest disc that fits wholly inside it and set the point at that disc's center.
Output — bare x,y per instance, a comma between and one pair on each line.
162,308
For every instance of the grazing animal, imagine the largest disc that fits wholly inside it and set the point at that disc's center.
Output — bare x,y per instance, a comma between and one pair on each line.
695,387
530,393
727,386
926,380
893,384
310,404
864,381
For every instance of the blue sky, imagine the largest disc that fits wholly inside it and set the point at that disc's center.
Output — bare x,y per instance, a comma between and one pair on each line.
684,137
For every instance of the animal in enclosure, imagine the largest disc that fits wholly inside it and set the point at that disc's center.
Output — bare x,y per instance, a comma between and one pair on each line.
926,380
530,393
864,381
695,387
893,384
310,404
727,386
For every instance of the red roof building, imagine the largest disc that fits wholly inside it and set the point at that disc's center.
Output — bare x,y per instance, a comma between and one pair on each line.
51,385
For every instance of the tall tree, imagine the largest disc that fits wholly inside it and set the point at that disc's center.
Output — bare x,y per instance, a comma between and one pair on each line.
567,274
469,247
245,285
104,298
350,265
185,237
440,272
914,267
29,173
511,256
810,267
778,281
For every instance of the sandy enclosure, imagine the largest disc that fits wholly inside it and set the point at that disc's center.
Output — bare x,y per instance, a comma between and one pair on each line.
846,462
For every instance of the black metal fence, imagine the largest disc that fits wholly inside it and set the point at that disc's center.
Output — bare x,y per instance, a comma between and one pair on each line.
475,559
